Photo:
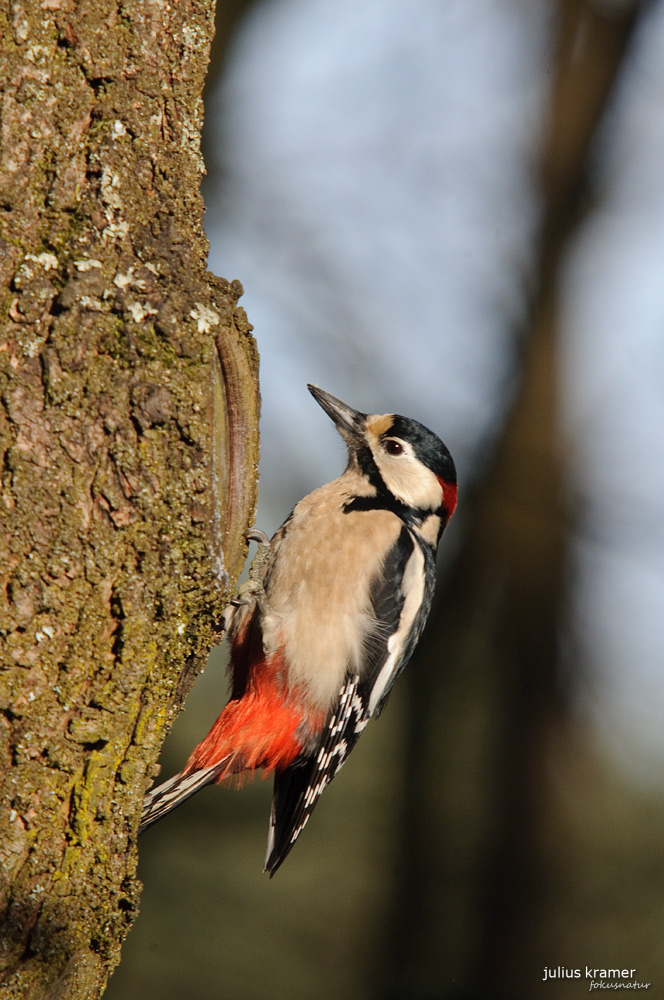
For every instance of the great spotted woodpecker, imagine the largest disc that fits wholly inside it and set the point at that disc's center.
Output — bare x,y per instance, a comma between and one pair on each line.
335,605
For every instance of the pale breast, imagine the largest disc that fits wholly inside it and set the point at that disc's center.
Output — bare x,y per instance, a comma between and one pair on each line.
318,588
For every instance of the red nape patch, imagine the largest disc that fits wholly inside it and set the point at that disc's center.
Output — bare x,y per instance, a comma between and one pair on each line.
449,496
259,729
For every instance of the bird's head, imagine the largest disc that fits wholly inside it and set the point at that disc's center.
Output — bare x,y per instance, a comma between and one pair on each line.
399,456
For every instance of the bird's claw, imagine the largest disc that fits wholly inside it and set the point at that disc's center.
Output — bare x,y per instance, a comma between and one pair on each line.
252,589
238,601
258,535
257,567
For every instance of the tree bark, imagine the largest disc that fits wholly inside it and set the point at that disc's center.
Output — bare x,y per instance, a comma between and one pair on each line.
123,511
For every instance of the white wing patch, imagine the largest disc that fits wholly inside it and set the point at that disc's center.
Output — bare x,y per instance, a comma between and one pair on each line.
413,591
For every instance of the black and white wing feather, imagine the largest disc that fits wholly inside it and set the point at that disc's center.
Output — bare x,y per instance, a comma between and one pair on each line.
401,598
298,788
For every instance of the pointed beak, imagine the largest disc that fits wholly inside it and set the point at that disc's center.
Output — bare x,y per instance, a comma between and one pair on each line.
349,422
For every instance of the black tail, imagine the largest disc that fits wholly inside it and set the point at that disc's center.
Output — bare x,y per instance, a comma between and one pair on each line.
289,813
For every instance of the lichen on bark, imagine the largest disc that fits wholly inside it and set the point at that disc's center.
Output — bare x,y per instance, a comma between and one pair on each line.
116,347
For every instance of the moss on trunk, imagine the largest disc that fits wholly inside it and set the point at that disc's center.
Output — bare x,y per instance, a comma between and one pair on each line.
116,349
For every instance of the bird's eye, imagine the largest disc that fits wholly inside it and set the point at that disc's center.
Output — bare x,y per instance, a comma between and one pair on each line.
393,447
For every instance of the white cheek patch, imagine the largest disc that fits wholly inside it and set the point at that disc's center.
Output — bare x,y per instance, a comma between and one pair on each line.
409,480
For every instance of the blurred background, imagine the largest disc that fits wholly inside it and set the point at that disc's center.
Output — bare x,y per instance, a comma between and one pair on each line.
452,210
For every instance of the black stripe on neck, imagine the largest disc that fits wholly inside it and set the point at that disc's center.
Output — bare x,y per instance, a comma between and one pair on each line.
411,516
384,499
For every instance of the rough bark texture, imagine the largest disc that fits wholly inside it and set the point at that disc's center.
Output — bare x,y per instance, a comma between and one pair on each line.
116,348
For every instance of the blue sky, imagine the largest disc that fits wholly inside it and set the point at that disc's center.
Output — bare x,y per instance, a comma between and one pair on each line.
380,207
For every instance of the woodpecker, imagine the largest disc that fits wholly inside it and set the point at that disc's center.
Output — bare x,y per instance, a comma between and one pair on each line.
334,606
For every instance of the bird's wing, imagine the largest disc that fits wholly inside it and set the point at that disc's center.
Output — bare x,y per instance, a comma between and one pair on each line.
298,788
400,606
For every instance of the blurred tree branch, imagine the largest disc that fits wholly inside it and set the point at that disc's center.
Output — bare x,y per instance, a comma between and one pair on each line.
492,670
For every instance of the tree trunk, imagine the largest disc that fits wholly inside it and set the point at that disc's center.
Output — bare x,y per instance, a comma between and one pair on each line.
123,514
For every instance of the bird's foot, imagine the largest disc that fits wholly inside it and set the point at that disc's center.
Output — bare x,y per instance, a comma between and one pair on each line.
252,589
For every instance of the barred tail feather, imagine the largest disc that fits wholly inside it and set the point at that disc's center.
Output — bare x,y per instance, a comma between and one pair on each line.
160,800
